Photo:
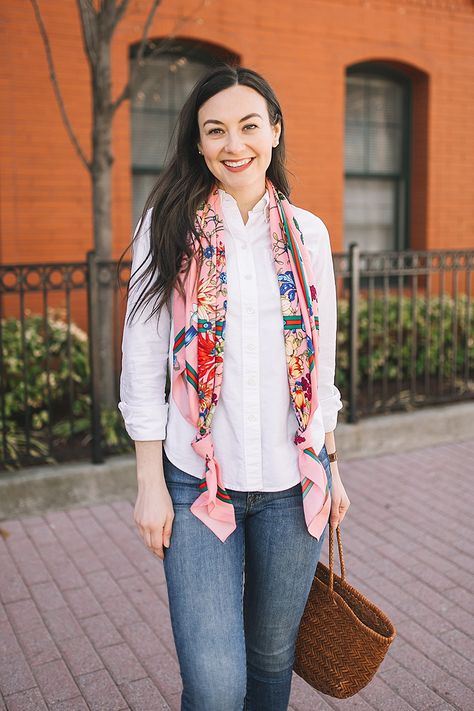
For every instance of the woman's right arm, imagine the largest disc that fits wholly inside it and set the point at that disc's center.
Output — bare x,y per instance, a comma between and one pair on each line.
153,513
145,349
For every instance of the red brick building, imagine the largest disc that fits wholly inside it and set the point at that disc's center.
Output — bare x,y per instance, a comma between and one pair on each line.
377,94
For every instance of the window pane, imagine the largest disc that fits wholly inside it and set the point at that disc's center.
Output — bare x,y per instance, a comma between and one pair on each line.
355,149
142,186
189,74
151,131
354,141
384,100
383,149
374,116
369,209
151,88
355,98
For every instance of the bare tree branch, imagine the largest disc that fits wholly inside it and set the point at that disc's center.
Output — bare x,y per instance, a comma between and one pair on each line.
107,19
121,9
57,91
125,93
183,20
89,16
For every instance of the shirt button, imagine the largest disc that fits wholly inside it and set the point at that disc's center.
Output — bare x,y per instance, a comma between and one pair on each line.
251,418
251,381
250,310
251,346
243,246
248,276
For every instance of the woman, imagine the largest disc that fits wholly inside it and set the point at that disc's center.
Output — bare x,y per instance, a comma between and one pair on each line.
241,507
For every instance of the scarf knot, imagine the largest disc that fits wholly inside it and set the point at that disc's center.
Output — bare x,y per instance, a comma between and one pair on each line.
204,446
214,504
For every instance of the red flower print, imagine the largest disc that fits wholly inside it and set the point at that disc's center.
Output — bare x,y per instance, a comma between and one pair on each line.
207,357
306,385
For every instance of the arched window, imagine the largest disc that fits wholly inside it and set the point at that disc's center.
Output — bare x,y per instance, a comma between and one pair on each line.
163,82
376,158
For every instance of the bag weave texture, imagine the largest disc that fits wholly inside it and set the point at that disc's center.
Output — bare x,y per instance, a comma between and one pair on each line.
343,637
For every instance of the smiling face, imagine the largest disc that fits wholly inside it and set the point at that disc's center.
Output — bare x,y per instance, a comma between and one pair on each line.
237,138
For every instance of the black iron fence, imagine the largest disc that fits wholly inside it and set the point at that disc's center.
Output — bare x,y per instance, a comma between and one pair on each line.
405,331
405,340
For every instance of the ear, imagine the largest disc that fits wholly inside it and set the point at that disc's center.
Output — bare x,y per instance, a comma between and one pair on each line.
276,130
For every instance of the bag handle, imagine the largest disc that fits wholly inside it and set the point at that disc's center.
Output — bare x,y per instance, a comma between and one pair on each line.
331,557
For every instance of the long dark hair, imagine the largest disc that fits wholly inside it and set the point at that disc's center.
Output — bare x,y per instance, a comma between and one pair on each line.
186,182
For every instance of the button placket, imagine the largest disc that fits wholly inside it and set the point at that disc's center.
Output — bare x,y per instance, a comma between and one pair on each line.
250,363
246,270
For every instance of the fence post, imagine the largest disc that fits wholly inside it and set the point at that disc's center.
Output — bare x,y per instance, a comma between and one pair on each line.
354,272
97,454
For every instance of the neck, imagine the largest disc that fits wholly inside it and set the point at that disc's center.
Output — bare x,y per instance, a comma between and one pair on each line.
246,197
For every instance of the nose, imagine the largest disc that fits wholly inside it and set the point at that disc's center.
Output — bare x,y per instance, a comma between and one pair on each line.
234,143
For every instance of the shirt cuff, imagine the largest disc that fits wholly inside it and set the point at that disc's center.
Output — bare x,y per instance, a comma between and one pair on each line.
141,424
330,407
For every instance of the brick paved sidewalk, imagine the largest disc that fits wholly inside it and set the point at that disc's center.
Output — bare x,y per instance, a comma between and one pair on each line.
84,622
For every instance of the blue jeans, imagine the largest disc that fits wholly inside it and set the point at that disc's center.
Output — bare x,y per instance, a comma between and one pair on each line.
235,643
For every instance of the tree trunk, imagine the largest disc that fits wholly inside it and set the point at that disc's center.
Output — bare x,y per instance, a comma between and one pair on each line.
101,175
98,23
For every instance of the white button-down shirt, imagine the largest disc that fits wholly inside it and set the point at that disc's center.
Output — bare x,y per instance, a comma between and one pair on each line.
254,423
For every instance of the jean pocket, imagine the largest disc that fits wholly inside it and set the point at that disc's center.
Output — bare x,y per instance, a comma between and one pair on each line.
182,487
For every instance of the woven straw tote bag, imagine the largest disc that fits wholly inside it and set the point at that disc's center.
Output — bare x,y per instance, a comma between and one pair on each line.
343,637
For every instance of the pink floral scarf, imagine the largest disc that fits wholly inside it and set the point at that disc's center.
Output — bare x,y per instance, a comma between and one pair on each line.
198,356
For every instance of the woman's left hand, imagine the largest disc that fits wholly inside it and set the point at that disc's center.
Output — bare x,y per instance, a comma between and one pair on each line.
339,499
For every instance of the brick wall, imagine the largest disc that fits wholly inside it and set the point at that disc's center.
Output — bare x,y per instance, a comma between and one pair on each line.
303,48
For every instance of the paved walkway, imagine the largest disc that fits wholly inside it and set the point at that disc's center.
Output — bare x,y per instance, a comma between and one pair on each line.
84,622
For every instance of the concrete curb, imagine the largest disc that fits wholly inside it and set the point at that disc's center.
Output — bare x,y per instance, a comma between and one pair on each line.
39,489
388,433
34,490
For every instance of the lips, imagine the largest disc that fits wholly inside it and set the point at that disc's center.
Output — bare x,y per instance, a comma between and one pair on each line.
236,166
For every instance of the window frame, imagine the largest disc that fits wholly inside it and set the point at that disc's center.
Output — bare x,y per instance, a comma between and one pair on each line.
402,206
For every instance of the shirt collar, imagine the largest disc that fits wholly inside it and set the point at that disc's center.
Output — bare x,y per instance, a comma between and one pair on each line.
260,206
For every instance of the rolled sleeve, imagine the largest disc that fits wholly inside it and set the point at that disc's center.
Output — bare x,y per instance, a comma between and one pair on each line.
145,352
328,394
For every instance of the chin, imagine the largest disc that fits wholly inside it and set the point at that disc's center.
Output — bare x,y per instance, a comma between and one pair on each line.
241,180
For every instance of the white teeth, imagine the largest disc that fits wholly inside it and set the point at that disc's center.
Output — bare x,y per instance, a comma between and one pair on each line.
236,163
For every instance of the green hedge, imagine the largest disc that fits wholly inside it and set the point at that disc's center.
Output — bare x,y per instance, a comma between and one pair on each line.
29,351
62,349
439,344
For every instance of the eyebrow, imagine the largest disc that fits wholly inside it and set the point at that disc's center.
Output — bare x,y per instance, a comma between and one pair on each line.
222,123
